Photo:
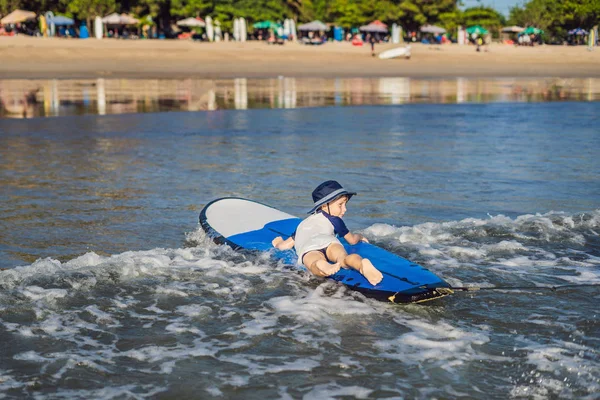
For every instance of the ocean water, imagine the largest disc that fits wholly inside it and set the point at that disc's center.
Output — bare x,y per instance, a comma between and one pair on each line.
110,289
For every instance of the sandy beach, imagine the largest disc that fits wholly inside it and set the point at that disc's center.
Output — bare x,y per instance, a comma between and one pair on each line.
43,58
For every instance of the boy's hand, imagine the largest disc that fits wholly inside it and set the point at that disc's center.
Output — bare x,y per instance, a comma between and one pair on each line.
277,241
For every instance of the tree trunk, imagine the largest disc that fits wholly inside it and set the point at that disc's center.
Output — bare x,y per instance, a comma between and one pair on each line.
164,17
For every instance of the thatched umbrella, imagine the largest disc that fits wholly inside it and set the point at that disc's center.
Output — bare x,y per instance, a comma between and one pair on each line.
127,19
192,22
432,29
112,19
512,29
374,27
122,19
18,16
313,26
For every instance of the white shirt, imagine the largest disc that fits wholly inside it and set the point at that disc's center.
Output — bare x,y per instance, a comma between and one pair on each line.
314,233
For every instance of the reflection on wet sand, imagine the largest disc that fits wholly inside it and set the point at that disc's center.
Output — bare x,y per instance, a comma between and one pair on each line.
40,98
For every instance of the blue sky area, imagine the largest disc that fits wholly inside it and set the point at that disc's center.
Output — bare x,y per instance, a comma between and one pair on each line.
503,6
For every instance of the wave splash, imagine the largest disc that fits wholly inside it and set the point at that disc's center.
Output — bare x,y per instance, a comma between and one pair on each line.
137,323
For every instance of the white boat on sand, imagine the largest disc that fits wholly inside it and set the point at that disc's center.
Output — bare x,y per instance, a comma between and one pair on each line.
403,51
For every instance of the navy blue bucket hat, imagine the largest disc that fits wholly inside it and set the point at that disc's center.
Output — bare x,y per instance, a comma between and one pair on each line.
327,192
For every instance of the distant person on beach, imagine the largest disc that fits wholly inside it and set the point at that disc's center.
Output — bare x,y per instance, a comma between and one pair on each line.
315,239
372,41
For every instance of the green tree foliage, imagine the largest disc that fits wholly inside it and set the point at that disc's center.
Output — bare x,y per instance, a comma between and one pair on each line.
88,9
557,17
37,6
487,17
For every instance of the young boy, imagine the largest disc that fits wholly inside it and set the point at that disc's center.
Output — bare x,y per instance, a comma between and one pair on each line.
315,239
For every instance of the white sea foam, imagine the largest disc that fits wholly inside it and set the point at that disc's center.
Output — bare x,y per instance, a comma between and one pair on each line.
194,310
334,390
439,343
112,392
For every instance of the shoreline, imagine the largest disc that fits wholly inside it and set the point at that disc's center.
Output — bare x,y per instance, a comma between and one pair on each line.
55,58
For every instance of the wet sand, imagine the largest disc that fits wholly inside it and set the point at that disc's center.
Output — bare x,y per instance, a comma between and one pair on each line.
39,58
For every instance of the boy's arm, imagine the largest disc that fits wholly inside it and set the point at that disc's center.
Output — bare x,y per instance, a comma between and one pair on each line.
281,244
353,238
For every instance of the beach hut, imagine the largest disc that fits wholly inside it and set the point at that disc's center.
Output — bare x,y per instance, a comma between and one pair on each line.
18,16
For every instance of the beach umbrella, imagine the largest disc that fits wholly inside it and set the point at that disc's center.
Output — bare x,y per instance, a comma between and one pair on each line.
432,29
127,19
266,25
192,22
512,29
122,19
313,26
112,19
578,31
60,20
18,16
477,29
374,27
532,30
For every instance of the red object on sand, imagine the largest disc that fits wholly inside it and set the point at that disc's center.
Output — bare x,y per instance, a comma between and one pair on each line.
357,42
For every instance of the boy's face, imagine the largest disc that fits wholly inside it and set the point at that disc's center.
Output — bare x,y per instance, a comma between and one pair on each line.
336,208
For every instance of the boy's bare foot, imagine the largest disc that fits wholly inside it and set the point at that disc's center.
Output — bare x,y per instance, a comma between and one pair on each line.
370,272
276,241
328,269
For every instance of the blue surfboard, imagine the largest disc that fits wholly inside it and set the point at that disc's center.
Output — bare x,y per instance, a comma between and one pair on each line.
249,225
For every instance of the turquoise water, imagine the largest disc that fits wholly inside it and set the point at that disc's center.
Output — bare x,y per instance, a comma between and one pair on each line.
113,291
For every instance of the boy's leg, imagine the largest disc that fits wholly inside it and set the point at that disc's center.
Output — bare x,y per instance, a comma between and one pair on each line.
316,263
336,252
